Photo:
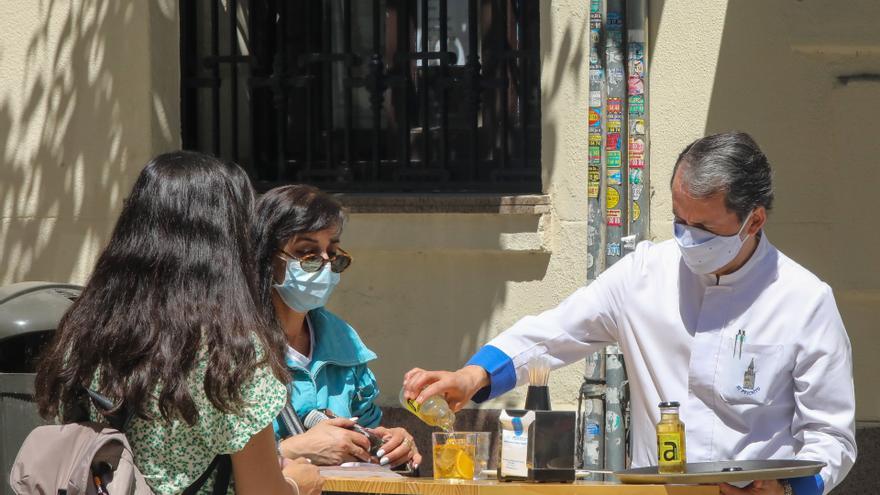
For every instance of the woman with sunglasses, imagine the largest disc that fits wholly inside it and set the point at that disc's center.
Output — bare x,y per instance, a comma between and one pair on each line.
296,239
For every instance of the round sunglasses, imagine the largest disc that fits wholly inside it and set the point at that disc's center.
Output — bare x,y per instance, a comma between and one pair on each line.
311,262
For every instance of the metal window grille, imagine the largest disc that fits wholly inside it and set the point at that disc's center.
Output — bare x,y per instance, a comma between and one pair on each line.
366,95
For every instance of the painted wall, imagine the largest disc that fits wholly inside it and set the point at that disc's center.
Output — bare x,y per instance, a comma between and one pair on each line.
88,92
773,72
87,96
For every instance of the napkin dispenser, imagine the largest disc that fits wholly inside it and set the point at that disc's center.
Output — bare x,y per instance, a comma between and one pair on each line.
536,445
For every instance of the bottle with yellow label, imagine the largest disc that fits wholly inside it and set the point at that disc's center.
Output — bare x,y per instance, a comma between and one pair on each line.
434,411
671,451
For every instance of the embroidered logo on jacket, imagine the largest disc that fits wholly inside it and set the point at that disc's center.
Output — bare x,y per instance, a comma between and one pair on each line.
748,385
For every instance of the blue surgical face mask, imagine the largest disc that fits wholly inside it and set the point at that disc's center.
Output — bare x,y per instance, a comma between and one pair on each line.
303,291
704,252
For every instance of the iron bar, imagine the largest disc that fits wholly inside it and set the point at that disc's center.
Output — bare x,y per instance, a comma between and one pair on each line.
376,88
473,84
279,91
444,108
233,80
523,93
347,89
423,86
188,71
504,92
310,121
215,90
404,45
326,123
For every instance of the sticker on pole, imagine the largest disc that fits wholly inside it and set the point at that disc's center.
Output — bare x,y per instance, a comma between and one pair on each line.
612,198
614,177
614,218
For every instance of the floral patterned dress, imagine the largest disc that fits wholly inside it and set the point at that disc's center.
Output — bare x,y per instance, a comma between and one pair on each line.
173,455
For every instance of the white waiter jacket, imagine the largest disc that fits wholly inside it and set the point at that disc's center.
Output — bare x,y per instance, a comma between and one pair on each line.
787,393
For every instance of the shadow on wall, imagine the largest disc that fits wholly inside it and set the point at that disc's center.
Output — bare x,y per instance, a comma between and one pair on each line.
80,112
432,309
571,59
655,16
778,79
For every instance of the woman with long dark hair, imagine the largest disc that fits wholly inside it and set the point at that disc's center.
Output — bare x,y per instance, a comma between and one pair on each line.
296,241
167,327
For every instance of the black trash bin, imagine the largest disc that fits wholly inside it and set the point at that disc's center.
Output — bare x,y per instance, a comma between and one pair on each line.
29,315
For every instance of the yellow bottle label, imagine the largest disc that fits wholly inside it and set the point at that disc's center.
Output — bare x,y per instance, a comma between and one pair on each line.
412,405
669,449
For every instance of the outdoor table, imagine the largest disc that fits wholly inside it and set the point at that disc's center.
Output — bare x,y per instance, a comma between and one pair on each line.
429,486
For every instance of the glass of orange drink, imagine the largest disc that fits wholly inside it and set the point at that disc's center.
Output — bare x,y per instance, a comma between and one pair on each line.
454,455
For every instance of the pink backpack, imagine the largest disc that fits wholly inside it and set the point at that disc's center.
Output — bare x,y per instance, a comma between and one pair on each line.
71,459
85,458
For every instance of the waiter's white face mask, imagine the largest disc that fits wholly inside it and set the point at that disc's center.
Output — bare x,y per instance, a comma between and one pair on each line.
704,252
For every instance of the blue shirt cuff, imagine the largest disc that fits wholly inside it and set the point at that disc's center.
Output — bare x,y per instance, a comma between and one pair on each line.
499,366
809,485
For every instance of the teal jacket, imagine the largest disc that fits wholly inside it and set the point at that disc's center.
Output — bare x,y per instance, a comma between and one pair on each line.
337,378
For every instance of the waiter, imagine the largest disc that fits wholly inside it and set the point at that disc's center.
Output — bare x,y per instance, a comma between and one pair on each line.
749,342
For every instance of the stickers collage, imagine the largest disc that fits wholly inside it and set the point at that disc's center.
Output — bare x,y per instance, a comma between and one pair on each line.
622,124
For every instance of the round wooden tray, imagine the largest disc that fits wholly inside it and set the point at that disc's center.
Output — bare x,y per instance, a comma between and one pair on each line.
723,472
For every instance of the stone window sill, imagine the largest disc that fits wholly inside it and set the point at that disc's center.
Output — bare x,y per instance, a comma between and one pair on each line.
447,223
524,204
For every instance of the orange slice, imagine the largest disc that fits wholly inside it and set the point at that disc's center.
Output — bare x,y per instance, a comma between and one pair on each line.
464,465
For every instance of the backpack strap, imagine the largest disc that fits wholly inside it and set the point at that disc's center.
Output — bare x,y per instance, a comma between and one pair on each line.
222,463
121,420
291,420
224,473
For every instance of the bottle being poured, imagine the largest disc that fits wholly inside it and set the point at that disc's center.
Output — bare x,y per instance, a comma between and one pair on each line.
434,411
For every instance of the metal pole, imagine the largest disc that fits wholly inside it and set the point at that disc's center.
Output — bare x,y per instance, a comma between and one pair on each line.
615,132
591,404
617,159
591,408
595,209
615,434
638,203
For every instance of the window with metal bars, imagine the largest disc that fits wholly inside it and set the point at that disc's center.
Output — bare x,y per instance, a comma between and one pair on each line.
366,95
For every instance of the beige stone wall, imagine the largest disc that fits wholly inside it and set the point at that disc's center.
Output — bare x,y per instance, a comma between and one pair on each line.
88,92
772,70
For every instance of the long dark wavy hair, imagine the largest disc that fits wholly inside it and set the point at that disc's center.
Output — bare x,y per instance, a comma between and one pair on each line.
174,285
282,213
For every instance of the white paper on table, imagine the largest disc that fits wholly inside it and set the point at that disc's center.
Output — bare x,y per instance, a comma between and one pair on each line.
358,470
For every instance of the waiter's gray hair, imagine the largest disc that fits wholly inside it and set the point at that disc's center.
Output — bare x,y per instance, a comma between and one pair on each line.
731,163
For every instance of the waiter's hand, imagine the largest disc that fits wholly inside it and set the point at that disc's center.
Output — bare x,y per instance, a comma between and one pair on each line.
767,487
457,387
329,443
